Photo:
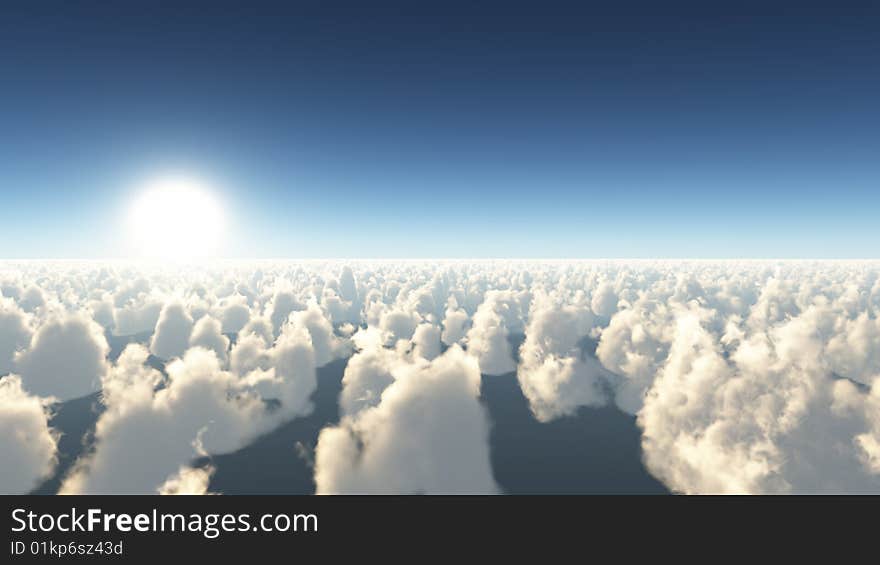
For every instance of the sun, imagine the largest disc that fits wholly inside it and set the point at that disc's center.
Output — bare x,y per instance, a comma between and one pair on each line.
176,218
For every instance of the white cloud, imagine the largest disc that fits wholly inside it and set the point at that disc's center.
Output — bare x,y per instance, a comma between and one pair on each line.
427,434
188,480
283,304
400,324
555,374
326,344
27,443
32,298
207,333
173,331
634,346
426,341
66,358
756,417
487,338
250,352
146,434
367,374
454,324
604,301
234,314
137,317
15,333
347,284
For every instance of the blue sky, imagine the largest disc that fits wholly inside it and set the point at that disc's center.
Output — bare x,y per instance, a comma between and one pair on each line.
475,129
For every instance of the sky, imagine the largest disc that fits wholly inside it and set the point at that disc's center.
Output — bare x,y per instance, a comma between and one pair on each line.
453,129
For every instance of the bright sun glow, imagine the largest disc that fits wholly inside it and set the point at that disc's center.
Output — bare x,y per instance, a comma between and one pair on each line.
176,218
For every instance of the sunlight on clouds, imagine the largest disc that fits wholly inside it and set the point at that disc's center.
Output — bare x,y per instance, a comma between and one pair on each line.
740,376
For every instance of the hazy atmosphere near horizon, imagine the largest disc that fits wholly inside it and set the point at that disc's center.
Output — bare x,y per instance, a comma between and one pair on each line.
440,247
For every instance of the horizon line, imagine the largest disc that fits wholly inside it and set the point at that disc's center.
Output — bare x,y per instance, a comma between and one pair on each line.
450,259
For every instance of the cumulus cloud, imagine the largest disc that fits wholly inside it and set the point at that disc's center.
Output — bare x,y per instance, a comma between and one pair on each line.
283,303
454,323
854,349
400,324
863,408
326,344
15,333
428,433
67,358
634,346
260,327
250,352
172,333
136,317
154,431
207,333
487,339
367,373
294,360
756,408
188,480
604,300
556,375
32,298
28,444
426,341
234,314
347,285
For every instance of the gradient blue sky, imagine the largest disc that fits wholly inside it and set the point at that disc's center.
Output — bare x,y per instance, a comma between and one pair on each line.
468,129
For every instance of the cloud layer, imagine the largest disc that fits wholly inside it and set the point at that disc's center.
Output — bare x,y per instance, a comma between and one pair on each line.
742,376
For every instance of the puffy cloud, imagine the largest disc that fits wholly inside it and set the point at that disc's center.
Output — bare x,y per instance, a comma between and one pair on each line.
207,334
172,333
634,346
688,445
758,417
454,324
102,311
864,407
347,285
294,359
234,314
367,374
854,350
67,358
400,324
15,333
146,433
426,340
130,376
260,327
250,352
136,304
604,301
326,344
427,434
487,339
188,480
10,289
283,304
136,318
27,443
556,375
32,298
